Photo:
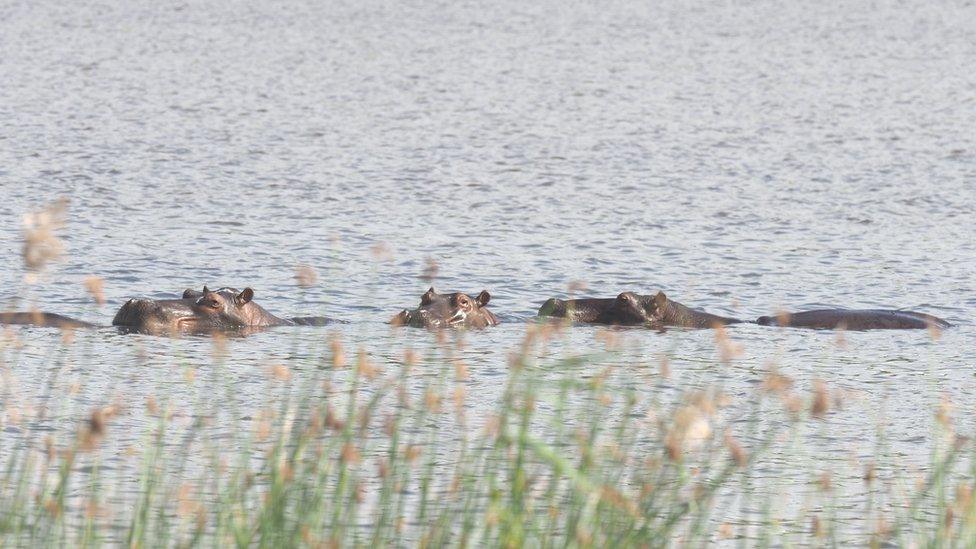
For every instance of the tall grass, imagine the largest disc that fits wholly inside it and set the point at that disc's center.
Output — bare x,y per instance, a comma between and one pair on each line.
347,452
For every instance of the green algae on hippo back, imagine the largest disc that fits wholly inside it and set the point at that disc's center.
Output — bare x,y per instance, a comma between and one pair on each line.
626,309
448,311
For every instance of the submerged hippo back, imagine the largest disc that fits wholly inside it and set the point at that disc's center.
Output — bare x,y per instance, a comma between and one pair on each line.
50,320
856,319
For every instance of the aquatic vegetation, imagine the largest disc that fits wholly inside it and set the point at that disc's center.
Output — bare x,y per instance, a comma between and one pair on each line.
348,451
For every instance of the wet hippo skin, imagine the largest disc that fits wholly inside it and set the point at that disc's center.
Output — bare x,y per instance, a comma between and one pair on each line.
855,319
626,309
38,318
672,313
448,310
630,309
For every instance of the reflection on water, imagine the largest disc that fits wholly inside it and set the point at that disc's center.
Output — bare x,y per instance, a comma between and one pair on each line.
745,159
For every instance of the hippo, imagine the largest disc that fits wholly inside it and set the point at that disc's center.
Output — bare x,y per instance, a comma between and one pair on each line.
226,308
203,311
207,310
627,309
630,309
448,311
855,319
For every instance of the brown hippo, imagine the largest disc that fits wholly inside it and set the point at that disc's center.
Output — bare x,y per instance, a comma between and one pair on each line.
855,319
447,311
630,309
672,313
206,311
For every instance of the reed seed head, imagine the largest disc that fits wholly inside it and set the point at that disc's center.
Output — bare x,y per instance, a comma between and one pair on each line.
41,243
429,273
280,372
305,276
96,287
821,400
739,455
381,252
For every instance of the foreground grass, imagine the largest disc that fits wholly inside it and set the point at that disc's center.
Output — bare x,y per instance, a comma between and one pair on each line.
346,453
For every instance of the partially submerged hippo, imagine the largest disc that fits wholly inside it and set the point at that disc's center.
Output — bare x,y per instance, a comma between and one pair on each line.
204,311
855,319
207,310
672,313
627,309
630,309
448,310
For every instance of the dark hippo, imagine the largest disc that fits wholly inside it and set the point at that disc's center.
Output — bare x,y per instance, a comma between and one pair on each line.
630,309
157,316
204,311
855,319
38,318
448,310
627,309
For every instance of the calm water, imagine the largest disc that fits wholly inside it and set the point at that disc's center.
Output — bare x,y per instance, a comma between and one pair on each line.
743,157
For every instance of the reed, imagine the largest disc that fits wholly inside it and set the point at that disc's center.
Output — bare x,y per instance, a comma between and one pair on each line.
351,453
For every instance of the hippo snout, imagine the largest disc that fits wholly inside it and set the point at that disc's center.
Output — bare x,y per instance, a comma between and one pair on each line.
401,319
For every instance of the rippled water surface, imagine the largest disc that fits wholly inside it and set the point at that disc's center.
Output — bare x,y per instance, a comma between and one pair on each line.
743,157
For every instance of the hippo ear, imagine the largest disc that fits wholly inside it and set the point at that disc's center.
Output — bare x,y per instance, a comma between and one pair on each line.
188,293
661,300
244,297
428,296
205,290
483,298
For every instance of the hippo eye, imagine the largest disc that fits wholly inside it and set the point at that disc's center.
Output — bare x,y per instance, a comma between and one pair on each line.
214,303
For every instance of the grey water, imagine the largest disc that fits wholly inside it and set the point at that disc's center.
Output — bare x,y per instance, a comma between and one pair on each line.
743,157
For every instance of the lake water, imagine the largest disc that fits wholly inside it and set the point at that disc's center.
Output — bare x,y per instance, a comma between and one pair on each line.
743,157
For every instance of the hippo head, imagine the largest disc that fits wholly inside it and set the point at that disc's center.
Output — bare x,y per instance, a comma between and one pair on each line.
657,306
228,308
448,310
629,310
